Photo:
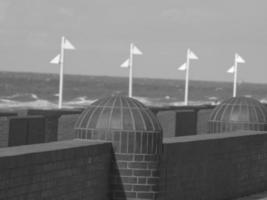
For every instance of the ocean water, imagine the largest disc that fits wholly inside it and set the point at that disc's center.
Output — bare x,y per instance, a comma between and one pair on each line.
30,90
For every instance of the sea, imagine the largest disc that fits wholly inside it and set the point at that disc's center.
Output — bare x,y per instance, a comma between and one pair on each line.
36,90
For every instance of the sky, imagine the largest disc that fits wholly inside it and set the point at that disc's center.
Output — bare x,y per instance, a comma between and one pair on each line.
102,30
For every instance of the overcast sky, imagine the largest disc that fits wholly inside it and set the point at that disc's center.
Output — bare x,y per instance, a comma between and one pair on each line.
101,30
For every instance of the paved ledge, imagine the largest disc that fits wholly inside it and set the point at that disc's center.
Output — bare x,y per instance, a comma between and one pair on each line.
260,196
45,147
216,136
53,112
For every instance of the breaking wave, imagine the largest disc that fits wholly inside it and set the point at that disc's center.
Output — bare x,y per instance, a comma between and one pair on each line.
22,97
4,103
84,101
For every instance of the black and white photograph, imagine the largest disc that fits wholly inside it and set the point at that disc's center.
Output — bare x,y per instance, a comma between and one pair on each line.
133,100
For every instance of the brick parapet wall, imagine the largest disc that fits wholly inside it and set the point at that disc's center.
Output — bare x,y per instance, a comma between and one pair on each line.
59,123
4,128
51,122
4,131
202,120
66,126
214,166
26,130
191,120
59,170
135,176
135,163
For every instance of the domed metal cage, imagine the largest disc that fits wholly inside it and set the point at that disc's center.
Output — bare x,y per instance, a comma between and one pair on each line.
118,113
238,113
116,118
136,137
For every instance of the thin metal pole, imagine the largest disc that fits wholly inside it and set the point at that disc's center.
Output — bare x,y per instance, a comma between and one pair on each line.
60,97
235,78
131,71
187,78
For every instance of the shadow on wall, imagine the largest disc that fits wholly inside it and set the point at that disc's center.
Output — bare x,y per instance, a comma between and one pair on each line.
117,187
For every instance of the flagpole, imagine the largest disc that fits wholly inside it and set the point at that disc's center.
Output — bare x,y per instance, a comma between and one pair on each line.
60,96
235,78
186,79
131,71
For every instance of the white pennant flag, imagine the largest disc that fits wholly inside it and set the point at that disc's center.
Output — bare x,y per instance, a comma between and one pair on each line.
231,70
55,60
239,59
192,55
183,67
67,45
136,51
126,64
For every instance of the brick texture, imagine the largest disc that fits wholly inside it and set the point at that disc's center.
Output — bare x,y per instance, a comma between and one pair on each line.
58,170
51,122
213,166
66,126
26,130
4,131
167,120
202,120
182,121
59,123
186,122
135,162
4,128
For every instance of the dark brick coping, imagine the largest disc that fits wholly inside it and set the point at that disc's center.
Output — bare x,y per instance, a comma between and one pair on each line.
7,114
48,112
25,117
202,137
177,108
46,147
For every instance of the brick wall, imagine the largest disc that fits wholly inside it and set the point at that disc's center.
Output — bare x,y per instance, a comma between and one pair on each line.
4,128
180,121
51,122
186,122
26,130
4,131
202,120
67,170
168,122
59,123
135,163
66,126
136,166
214,167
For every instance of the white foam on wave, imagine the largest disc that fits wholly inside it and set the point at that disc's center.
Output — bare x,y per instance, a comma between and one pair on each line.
34,96
213,98
194,103
83,101
264,100
159,102
29,104
22,96
42,103
143,100
177,103
80,101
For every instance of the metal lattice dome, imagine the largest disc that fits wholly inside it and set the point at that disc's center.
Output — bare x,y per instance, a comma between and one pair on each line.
238,113
136,137
118,113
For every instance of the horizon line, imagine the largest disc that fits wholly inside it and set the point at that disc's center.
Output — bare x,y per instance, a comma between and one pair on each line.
136,77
